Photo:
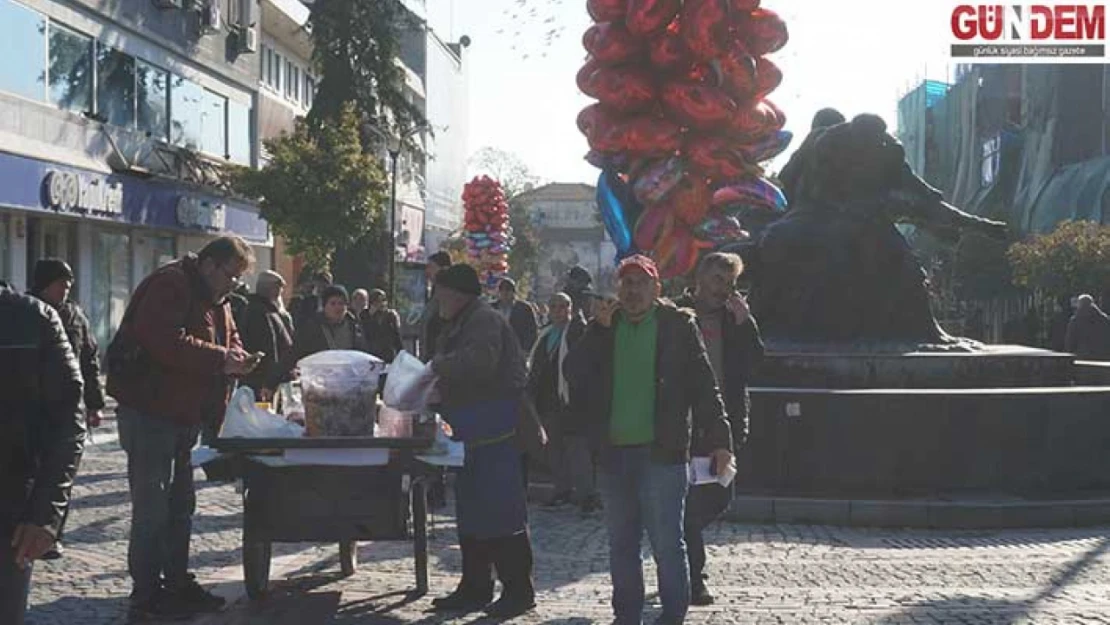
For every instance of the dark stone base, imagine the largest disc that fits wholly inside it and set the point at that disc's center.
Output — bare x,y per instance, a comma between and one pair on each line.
1034,443
988,367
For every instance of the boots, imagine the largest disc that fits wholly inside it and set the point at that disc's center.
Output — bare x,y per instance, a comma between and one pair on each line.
475,589
512,557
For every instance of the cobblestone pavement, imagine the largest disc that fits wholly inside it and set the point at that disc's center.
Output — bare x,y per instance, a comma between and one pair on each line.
761,574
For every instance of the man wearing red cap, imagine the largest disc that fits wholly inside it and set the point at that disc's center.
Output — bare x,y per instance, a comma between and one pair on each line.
637,375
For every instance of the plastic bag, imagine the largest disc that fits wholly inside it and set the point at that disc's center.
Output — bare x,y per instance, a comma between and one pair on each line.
338,389
243,419
410,384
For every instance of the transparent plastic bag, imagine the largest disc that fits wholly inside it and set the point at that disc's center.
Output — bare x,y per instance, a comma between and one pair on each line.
410,385
243,419
338,389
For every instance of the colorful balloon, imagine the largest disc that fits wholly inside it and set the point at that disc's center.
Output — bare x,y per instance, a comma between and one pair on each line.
690,200
654,224
768,148
756,122
647,136
720,229
768,77
668,52
757,192
645,17
716,157
652,185
586,76
738,72
618,208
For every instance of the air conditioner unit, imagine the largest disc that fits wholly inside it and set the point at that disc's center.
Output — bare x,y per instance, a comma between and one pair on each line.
210,16
169,4
247,39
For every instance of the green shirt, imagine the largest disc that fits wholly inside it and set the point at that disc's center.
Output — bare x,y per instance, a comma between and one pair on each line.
633,417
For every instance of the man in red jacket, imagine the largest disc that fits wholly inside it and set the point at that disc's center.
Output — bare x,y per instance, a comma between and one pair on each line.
169,367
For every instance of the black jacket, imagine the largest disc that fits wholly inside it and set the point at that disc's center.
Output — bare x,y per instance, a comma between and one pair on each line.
522,318
543,382
743,353
382,331
684,386
84,345
266,328
42,430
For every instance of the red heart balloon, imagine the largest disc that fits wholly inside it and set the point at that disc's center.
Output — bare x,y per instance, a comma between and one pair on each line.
610,43
668,52
745,6
699,105
586,76
645,17
704,28
649,136
738,73
690,200
715,157
765,32
606,10
756,122
626,89
768,77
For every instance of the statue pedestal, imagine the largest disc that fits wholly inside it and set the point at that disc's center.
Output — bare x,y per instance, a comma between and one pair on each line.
1005,421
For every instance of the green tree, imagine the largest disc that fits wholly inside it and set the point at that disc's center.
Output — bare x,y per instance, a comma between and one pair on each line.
320,190
1073,258
356,44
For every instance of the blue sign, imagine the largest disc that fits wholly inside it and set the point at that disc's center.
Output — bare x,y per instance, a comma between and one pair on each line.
34,185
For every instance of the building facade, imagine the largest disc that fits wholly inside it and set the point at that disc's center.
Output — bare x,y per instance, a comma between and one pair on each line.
567,223
115,122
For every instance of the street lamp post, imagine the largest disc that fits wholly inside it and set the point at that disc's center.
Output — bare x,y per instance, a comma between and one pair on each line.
394,145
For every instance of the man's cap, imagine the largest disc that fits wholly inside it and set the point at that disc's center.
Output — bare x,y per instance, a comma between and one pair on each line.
462,278
640,262
579,275
50,270
507,283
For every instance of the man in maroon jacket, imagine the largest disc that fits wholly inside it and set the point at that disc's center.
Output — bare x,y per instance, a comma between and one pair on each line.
169,367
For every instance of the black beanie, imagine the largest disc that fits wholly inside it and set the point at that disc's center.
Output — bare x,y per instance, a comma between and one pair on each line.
461,278
334,290
48,271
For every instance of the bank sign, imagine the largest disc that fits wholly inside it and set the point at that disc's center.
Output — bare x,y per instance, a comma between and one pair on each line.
40,187
1028,33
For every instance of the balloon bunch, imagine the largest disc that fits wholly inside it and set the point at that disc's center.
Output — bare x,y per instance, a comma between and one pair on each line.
682,121
488,235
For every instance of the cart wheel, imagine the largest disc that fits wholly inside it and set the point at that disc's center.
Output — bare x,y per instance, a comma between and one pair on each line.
348,557
256,567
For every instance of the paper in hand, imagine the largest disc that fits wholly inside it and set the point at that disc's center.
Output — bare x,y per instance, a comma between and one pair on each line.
701,472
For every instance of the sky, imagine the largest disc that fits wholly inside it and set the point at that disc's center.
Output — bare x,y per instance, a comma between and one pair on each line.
856,55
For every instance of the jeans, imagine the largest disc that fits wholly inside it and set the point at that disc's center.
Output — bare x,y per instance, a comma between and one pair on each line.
640,494
572,466
704,504
15,584
163,499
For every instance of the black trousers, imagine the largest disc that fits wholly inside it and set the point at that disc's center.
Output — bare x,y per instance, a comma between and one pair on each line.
14,583
704,504
510,557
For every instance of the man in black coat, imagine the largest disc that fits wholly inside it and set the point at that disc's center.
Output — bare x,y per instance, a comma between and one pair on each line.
42,434
268,328
381,327
53,280
735,347
520,315
568,452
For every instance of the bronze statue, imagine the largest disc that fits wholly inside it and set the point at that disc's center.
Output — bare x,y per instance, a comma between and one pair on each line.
834,268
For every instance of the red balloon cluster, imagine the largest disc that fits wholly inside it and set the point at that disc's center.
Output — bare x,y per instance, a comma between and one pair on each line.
488,234
681,111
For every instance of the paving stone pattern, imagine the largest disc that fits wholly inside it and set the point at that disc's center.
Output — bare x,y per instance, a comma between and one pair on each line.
761,574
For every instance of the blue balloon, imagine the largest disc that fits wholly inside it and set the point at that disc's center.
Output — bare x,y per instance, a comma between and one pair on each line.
619,210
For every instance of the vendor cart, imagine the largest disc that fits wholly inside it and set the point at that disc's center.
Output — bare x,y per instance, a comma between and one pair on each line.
290,501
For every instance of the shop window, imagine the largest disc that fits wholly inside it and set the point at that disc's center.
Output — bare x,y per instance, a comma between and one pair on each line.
213,124
22,37
111,282
71,69
186,105
153,95
272,71
309,91
115,86
239,133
